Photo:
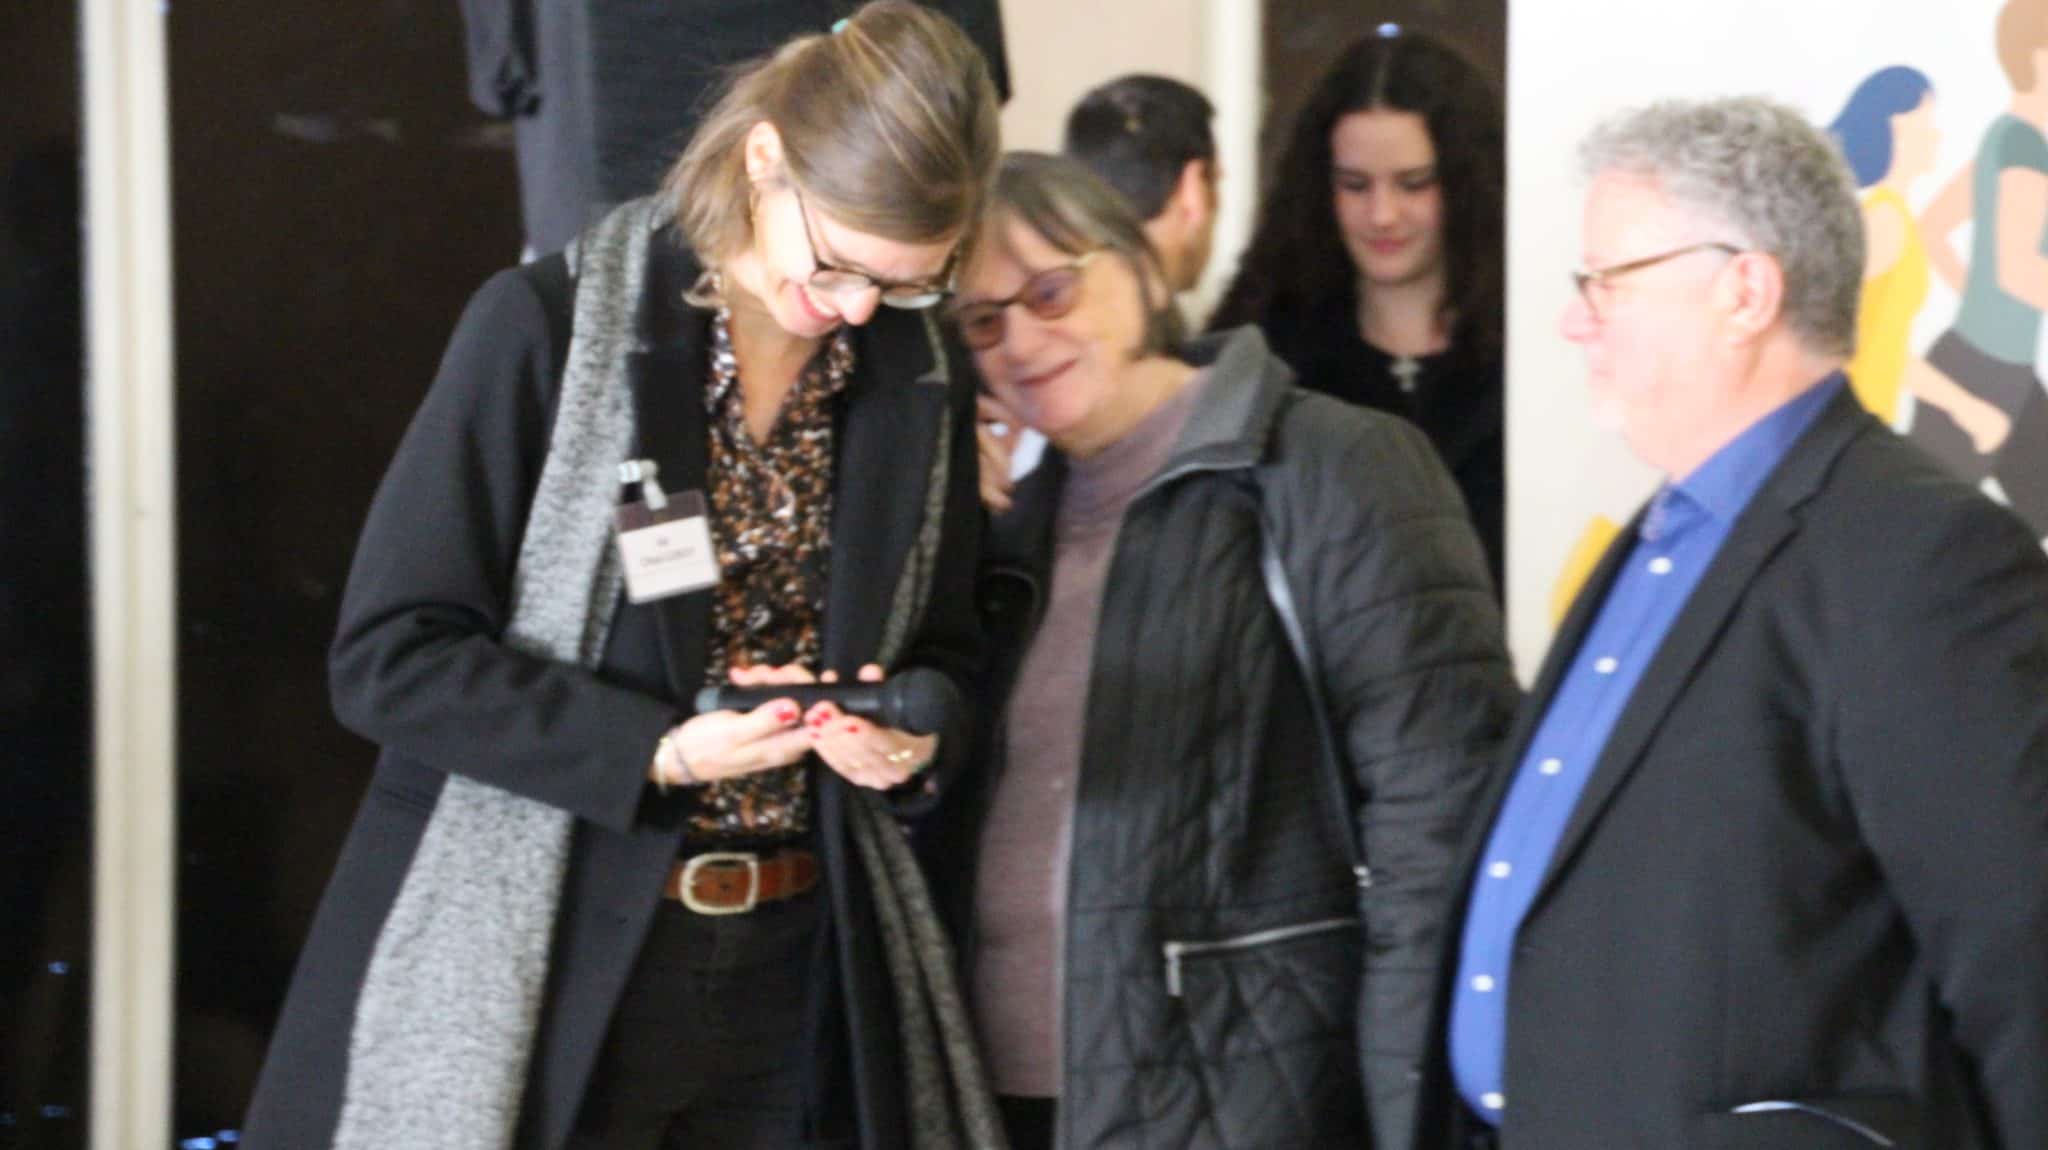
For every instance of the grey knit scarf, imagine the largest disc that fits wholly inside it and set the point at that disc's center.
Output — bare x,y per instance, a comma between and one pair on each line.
445,1021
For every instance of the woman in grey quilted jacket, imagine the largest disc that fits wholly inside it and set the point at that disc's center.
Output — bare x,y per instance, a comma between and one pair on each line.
1248,677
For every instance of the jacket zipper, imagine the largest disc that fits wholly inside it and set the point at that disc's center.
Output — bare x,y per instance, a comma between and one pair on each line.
1179,949
1175,950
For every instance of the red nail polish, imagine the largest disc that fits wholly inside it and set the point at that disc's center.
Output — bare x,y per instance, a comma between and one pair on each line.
853,728
786,712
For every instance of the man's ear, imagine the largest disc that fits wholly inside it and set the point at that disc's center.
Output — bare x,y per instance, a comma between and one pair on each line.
1754,283
1194,193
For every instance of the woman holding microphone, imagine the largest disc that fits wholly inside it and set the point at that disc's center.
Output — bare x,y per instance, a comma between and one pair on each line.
573,911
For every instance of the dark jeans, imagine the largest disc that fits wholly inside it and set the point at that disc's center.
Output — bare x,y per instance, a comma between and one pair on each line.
705,1050
1030,1122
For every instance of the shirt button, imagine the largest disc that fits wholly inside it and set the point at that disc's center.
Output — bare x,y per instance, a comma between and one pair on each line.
1606,664
1500,870
1551,766
1492,1100
1483,983
1661,565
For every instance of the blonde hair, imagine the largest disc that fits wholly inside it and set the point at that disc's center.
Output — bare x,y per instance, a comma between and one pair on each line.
888,124
2022,31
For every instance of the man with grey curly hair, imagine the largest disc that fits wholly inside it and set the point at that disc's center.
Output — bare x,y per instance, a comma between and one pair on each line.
1744,195
1770,866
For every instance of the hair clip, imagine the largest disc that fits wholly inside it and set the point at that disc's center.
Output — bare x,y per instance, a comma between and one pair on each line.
1133,111
840,24
1387,31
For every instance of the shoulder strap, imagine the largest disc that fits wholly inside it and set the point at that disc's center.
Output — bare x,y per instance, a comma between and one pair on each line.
1340,799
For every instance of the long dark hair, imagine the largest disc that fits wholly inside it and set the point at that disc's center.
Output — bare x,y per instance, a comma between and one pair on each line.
1297,261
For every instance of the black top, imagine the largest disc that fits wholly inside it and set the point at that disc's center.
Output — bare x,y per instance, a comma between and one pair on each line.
1456,398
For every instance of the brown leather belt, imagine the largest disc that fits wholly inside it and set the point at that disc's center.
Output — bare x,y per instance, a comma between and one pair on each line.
735,882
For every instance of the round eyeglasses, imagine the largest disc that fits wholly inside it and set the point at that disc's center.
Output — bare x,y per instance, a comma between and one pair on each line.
834,279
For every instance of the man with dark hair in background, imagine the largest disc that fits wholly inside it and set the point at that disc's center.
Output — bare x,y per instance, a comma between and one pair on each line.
1149,138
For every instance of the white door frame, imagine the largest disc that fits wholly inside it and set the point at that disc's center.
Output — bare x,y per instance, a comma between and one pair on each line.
131,500
1233,47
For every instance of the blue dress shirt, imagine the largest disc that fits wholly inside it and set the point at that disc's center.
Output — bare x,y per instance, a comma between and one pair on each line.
1678,538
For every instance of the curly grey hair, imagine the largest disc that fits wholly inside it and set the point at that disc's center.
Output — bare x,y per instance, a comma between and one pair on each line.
1768,174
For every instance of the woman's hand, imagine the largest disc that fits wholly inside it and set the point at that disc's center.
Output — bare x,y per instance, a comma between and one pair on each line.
863,753
996,432
727,744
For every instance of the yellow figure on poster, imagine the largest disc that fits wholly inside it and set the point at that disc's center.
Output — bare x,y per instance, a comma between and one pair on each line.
1887,132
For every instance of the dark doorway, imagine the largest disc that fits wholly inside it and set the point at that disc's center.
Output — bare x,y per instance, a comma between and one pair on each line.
45,633
335,201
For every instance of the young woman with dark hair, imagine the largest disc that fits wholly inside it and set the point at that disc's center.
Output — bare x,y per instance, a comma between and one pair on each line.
1375,271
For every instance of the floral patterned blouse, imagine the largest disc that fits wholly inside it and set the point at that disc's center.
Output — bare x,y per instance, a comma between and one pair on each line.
771,515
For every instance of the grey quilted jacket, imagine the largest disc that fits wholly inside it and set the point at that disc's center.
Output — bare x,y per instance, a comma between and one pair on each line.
1229,981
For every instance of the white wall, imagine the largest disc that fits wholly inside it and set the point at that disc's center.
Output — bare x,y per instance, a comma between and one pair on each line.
1059,49
1571,63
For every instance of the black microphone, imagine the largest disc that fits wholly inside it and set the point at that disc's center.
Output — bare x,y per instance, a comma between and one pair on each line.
915,699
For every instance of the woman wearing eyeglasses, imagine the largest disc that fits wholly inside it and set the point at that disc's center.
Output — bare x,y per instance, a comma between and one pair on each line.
1191,913
723,440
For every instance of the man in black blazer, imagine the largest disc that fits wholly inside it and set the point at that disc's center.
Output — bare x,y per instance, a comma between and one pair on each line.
1769,866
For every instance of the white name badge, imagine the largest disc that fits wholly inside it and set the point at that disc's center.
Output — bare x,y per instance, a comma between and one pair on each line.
666,550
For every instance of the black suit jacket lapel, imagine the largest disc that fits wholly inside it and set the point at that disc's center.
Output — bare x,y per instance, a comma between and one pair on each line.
668,373
1769,522
888,430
